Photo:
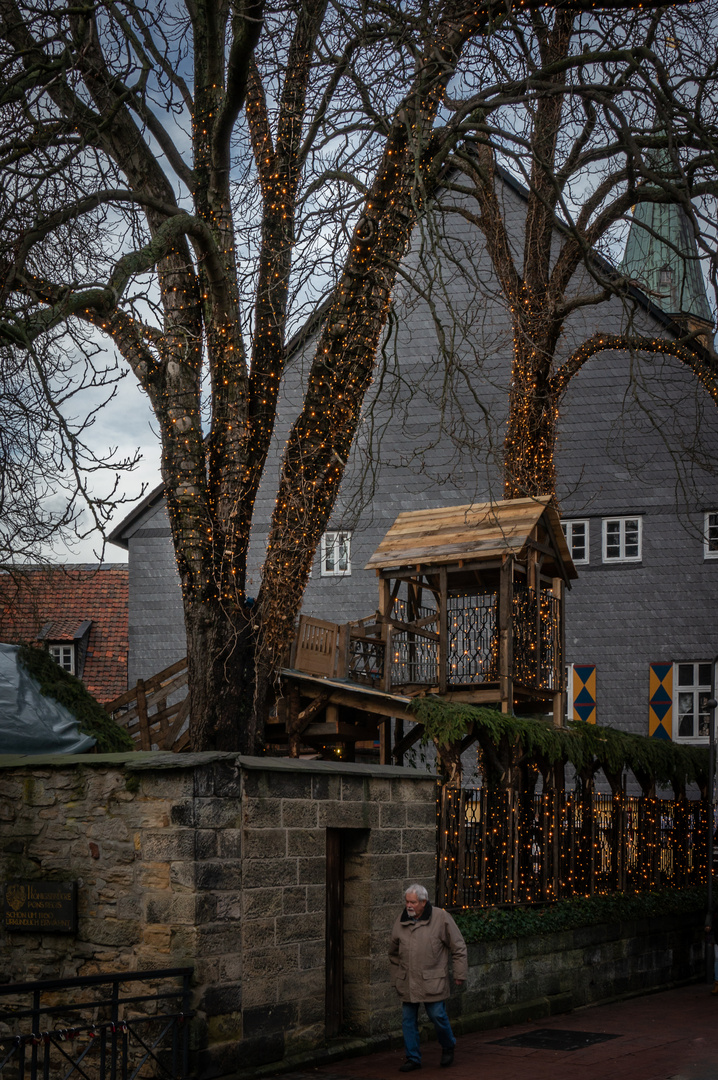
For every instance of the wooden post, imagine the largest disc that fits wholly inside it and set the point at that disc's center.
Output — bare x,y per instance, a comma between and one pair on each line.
443,630
461,849
557,798
385,741
484,805
506,648
342,658
535,561
292,721
145,740
443,852
398,754
559,698
385,604
334,932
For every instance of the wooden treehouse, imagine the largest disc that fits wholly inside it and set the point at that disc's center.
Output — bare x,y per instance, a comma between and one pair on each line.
471,608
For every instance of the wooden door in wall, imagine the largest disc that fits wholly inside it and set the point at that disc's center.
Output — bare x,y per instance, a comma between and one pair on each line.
334,997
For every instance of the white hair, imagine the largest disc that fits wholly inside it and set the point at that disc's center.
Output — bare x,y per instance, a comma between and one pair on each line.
419,892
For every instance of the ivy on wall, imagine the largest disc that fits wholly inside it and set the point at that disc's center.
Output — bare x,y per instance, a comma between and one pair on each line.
495,924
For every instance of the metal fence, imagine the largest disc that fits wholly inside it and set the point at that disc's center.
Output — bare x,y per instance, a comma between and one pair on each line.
499,847
100,1027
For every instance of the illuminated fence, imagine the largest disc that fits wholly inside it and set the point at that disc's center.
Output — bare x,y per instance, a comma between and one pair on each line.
508,848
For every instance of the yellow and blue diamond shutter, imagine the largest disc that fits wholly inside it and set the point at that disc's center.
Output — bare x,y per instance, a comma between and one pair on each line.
584,693
660,701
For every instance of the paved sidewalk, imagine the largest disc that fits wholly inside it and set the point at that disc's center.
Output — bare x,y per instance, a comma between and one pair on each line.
671,1035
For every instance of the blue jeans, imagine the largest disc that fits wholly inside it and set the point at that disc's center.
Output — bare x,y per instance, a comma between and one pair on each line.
436,1012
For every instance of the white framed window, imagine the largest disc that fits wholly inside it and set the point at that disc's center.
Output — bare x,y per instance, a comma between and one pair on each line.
336,554
692,692
710,535
622,539
577,533
64,655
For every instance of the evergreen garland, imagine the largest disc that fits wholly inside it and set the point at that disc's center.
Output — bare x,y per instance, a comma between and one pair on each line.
583,745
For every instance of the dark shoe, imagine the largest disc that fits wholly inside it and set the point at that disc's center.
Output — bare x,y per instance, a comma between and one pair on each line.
409,1065
447,1057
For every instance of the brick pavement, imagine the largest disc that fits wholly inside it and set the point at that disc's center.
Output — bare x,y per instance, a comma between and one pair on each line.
672,1035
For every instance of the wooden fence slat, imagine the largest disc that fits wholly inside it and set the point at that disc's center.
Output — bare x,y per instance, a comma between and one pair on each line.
133,709
145,740
174,730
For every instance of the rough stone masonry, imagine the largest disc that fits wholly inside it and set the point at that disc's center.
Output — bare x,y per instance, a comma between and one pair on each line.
220,861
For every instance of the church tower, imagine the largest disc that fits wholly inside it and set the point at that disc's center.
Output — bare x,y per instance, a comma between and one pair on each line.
662,259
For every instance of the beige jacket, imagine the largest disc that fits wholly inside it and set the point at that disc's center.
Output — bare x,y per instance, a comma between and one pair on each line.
419,955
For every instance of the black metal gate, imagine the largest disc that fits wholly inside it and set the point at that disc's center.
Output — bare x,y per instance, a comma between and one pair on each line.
98,1027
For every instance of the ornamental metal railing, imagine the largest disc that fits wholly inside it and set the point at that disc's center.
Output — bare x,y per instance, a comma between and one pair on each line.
505,847
99,1027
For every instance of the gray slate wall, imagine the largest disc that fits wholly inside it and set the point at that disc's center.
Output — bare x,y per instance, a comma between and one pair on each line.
636,436
156,618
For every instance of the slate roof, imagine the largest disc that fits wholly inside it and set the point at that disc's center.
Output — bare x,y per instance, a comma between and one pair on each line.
55,604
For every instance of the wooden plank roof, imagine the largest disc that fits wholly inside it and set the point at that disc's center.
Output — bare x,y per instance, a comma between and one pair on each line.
476,531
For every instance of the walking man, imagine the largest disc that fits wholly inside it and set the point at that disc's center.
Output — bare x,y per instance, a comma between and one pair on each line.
421,941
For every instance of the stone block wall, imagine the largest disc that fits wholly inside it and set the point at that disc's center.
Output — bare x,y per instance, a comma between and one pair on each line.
387,819
220,862
527,978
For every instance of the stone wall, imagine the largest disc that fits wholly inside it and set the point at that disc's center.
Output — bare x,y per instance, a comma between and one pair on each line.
220,862
517,980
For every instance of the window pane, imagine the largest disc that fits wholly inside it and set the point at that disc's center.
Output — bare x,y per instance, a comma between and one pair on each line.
703,714
685,674
613,539
685,715
341,554
713,532
329,554
578,539
62,655
631,535
685,726
704,674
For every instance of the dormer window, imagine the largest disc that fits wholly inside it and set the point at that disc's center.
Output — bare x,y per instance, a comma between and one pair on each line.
66,640
64,655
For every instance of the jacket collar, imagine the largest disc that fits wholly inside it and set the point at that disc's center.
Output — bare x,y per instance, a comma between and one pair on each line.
424,917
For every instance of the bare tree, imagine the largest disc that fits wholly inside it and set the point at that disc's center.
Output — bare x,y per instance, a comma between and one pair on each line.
186,182
590,141
51,475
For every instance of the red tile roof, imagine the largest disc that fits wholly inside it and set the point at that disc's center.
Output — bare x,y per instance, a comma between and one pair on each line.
54,601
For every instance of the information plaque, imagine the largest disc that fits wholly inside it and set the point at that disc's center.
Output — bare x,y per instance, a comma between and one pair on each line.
41,906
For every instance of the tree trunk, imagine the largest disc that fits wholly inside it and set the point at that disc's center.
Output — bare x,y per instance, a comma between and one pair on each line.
220,658
533,413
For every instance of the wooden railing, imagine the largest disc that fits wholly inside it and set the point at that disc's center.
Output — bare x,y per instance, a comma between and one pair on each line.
143,711
335,650
504,847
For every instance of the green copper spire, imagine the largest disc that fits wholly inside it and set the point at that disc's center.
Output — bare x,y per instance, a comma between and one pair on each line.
661,257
